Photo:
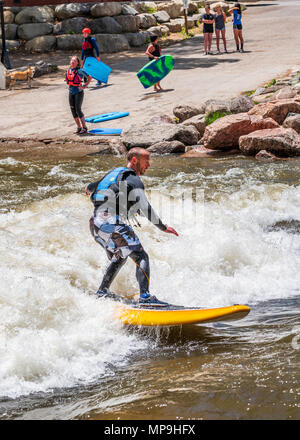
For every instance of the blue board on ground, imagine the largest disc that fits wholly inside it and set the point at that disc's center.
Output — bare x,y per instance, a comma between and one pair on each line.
96,69
106,117
106,131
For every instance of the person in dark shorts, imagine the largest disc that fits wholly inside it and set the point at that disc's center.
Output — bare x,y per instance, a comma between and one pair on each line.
117,197
74,78
154,52
237,26
89,48
208,20
220,20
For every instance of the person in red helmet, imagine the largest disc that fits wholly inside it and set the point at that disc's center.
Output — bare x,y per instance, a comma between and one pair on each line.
89,48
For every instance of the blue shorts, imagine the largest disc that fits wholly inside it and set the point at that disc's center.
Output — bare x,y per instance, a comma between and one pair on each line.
222,29
238,26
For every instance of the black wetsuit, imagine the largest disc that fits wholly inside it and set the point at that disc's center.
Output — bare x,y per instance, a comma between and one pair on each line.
109,228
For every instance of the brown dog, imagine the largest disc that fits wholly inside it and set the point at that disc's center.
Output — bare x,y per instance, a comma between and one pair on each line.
26,75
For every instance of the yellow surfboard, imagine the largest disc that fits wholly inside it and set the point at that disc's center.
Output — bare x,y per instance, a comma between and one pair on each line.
173,315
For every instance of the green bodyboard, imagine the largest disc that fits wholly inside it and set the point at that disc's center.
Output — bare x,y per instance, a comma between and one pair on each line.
155,71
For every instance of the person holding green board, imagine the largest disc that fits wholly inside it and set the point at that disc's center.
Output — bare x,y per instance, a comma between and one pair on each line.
154,52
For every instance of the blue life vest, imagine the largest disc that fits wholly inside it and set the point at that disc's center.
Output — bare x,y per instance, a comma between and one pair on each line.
108,180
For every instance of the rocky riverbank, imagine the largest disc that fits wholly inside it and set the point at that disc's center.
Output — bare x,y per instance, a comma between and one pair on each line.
264,123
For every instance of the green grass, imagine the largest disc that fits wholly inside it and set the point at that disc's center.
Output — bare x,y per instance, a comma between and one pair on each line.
212,117
271,83
249,92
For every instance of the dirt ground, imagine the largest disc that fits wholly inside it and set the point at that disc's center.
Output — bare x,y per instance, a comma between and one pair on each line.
271,31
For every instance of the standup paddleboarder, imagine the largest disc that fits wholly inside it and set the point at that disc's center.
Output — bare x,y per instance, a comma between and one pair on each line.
117,197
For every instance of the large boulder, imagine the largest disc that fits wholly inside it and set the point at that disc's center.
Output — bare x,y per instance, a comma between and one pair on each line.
146,21
242,104
69,42
35,14
280,141
147,7
157,30
10,31
174,26
29,31
216,105
150,134
174,9
284,93
111,43
128,23
128,10
138,39
277,110
167,147
184,111
45,43
161,16
9,17
198,122
70,10
106,9
70,26
225,132
292,121
105,25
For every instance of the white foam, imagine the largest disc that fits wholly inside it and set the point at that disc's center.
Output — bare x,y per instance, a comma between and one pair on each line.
53,334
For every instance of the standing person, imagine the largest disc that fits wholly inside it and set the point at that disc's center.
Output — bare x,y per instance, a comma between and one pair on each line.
89,47
74,77
154,52
220,20
116,198
208,20
237,26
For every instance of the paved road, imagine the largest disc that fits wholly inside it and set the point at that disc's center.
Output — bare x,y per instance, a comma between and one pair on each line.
271,32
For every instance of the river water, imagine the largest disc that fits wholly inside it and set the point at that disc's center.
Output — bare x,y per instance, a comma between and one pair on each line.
64,355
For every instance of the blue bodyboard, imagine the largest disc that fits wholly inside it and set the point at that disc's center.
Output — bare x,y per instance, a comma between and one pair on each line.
106,117
106,131
96,69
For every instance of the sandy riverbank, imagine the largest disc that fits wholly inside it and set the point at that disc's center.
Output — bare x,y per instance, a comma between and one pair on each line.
38,121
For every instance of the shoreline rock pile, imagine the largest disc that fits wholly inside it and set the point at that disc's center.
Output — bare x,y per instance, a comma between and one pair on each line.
268,129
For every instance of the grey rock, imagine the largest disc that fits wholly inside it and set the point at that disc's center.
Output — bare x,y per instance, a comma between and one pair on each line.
111,43
11,44
35,14
292,121
105,25
173,26
174,9
162,16
106,9
69,42
183,112
216,105
167,147
70,10
156,30
10,31
128,10
45,43
29,31
71,25
146,21
241,104
128,23
138,39
198,122
150,134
